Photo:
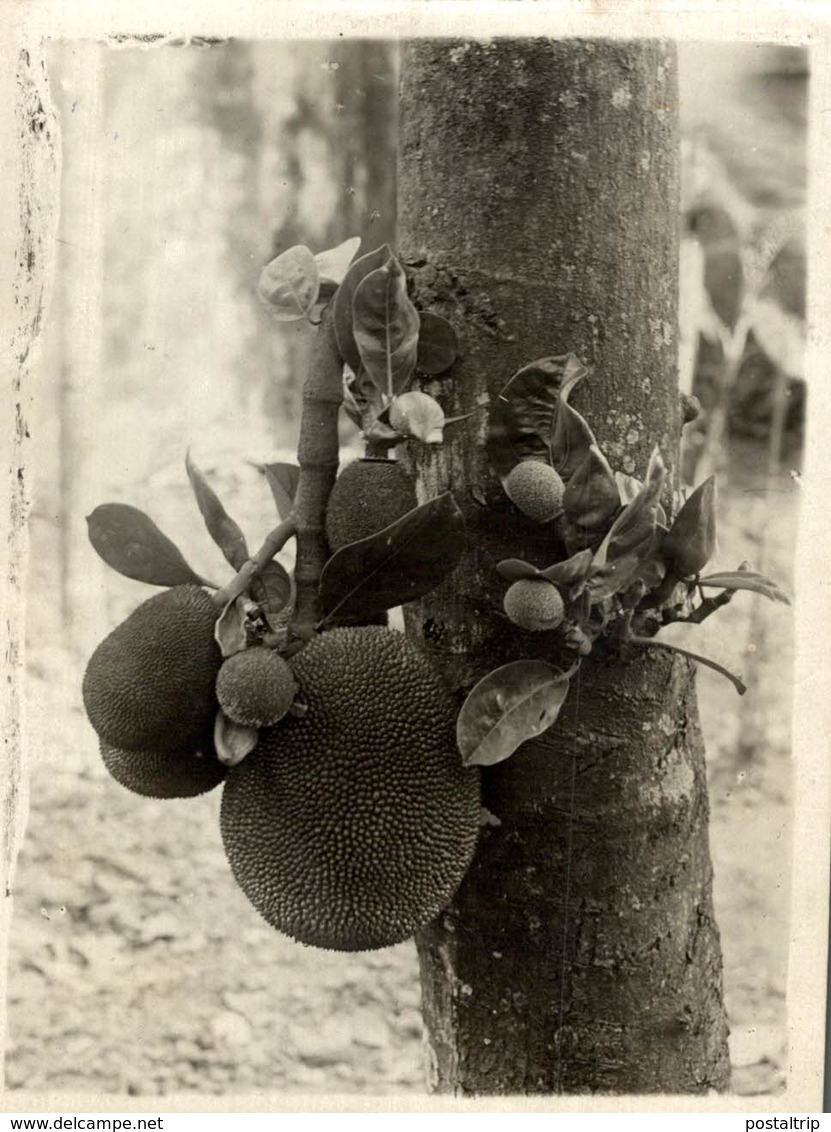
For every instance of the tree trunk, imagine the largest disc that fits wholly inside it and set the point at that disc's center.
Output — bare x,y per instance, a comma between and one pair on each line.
538,187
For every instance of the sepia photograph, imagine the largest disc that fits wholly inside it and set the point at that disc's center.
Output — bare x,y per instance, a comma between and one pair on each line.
408,474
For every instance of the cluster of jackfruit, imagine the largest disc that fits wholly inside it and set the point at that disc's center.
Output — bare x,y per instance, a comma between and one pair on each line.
149,693
352,821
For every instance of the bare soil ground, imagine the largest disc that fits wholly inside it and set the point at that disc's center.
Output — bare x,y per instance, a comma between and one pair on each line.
138,967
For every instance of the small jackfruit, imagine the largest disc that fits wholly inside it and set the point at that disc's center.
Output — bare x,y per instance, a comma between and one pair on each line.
149,686
352,826
535,604
367,496
536,489
165,774
255,687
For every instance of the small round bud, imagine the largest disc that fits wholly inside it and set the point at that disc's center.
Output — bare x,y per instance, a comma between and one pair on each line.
536,489
255,687
535,604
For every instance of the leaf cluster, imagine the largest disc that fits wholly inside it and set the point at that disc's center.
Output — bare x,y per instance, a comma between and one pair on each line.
628,569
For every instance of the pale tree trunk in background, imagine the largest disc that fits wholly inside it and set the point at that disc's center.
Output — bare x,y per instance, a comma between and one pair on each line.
78,376
538,187
310,127
28,242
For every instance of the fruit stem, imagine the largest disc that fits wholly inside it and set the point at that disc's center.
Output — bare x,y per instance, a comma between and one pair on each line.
648,641
317,455
377,449
273,543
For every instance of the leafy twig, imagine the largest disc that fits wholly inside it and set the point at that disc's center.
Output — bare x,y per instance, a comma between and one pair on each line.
273,543
708,606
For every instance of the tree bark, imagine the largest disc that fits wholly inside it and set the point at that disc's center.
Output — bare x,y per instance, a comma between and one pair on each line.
538,186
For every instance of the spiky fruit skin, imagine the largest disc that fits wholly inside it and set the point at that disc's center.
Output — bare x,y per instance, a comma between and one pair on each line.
367,496
536,489
165,774
255,687
351,826
535,604
149,686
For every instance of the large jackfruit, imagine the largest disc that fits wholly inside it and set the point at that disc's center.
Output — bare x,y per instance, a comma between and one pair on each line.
165,774
149,686
351,826
367,496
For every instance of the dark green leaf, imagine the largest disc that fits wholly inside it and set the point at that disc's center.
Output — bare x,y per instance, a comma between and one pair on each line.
402,562
385,325
514,569
692,537
507,707
290,284
523,414
634,538
283,480
746,580
591,496
438,344
272,590
628,487
343,302
221,527
572,573
131,543
571,440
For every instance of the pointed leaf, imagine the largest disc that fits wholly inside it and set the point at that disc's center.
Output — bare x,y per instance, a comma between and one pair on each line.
438,344
571,440
638,518
283,480
333,264
508,706
634,539
385,325
641,561
746,580
233,741
131,543
272,590
402,562
573,372
343,302
221,527
628,487
691,540
514,569
523,414
591,496
229,631
571,573
289,285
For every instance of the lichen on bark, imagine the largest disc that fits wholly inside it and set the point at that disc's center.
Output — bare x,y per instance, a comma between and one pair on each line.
538,183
